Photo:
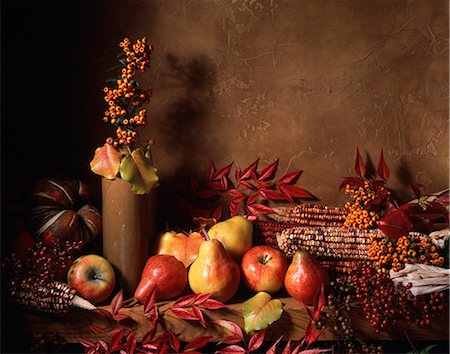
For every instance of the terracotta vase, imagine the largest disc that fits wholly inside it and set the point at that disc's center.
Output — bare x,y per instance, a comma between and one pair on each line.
128,231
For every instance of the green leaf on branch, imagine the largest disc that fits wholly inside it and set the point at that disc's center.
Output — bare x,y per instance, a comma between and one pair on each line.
106,161
260,311
137,169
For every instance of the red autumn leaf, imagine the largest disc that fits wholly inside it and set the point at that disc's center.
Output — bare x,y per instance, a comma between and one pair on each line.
232,349
234,209
183,313
252,199
290,177
383,169
247,172
211,171
121,316
231,326
271,194
173,341
116,302
150,299
86,343
296,350
204,213
248,185
319,303
223,172
233,339
105,313
416,187
312,334
131,343
216,186
197,343
198,313
236,196
295,191
432,211
237,173
262,185
310,312
116,330
256,340
206,193
352,182
360,168
201,298
260,208
268,171
395,224
147,338
444,200
212,304
312,351
194,184
97,329
273,348
287,348
102,344
185,300
153,316
115,340
217,213
225,183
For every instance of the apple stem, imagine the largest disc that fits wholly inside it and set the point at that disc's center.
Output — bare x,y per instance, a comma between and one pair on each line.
204,233
266,258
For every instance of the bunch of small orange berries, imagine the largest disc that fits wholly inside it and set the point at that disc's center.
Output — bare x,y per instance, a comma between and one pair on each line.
125,101
363,210
393,254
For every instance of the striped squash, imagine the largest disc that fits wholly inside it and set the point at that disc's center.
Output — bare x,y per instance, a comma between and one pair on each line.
61,211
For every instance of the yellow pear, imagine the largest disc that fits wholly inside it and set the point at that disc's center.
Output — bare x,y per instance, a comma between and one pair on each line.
214,271
236,235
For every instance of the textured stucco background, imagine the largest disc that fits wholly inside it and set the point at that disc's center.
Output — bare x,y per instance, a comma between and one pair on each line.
304,81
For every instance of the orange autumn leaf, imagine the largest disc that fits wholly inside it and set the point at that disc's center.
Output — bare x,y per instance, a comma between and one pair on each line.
106,161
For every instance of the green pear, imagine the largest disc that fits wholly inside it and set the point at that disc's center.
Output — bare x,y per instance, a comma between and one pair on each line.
235,234
214,271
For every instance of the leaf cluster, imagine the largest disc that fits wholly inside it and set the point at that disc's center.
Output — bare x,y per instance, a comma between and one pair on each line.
247,191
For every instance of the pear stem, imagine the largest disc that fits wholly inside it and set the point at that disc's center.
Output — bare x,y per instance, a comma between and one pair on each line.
204,233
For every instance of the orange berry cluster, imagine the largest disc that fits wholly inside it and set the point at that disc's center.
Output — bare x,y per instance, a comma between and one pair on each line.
126,99
363,209
393,254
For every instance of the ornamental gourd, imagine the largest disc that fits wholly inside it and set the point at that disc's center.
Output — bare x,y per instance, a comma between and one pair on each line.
61,211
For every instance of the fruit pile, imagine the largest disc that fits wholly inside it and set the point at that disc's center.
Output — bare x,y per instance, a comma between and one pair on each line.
217,265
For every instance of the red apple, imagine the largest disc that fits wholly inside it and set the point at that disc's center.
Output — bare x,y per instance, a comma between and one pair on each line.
168,274
263,269
304,277
92,277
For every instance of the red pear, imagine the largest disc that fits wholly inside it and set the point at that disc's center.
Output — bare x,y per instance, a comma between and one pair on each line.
305,277
168,274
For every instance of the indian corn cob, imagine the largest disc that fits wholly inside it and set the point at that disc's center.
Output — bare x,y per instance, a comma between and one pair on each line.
52,297
311,215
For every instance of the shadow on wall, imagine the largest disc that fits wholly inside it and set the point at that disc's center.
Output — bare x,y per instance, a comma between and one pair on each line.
187,121
189,111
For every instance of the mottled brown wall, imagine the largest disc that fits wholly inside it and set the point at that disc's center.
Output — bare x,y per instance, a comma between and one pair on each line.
303,81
